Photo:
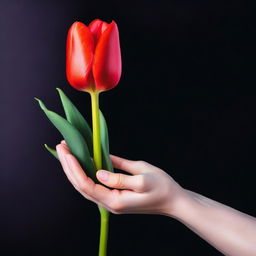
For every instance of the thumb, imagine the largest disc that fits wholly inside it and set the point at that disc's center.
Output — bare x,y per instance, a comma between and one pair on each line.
119,180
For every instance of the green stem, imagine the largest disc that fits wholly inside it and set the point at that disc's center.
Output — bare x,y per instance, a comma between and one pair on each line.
104,214
104,220
96,130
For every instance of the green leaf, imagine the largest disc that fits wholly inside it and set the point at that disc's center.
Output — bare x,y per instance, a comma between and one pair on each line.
106,161
74,139
52,151
104,132
76,119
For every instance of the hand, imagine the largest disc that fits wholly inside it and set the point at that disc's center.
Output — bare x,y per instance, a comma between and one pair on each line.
148,190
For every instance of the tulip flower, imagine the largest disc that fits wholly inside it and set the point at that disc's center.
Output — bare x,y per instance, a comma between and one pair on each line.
93,64
93,56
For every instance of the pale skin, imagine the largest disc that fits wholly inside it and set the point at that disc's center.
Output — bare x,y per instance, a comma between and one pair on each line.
149,190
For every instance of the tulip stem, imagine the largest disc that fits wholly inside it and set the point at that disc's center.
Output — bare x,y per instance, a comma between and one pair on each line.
104,214
104,220
96,130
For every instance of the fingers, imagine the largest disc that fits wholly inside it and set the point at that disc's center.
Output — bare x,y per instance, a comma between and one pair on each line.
99,193
61,149
114,180
114,200
133,167
137,183
76,171
82,183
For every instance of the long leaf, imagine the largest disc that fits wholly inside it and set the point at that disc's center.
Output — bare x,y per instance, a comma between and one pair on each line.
52,151
106,161
73,138
76,119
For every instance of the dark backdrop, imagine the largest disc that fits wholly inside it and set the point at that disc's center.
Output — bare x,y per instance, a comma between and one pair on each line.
185,103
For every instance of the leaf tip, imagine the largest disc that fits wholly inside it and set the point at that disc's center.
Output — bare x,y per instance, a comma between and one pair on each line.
59,90
47,147
41,104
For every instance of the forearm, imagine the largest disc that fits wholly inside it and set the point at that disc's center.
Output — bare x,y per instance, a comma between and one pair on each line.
228,230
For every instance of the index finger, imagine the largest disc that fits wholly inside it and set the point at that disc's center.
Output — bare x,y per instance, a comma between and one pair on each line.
133,167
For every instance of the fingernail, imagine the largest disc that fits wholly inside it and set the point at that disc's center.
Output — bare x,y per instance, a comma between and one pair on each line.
103,175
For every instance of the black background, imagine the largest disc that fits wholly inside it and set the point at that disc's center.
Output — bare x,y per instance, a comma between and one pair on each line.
185,102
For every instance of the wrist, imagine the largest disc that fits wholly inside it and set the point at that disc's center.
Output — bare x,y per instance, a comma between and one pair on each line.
183,205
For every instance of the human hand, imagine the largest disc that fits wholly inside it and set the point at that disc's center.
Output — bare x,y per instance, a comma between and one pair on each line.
148,190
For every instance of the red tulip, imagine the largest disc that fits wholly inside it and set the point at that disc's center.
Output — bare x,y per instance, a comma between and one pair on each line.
93,56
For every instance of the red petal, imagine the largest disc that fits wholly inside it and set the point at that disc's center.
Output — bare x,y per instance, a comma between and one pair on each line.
79,56
96,29
107,66
104,26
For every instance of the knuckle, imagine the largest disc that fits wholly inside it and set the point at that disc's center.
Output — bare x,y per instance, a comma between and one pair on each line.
76,187
141,163
119,181
143,182
116,206
82,187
